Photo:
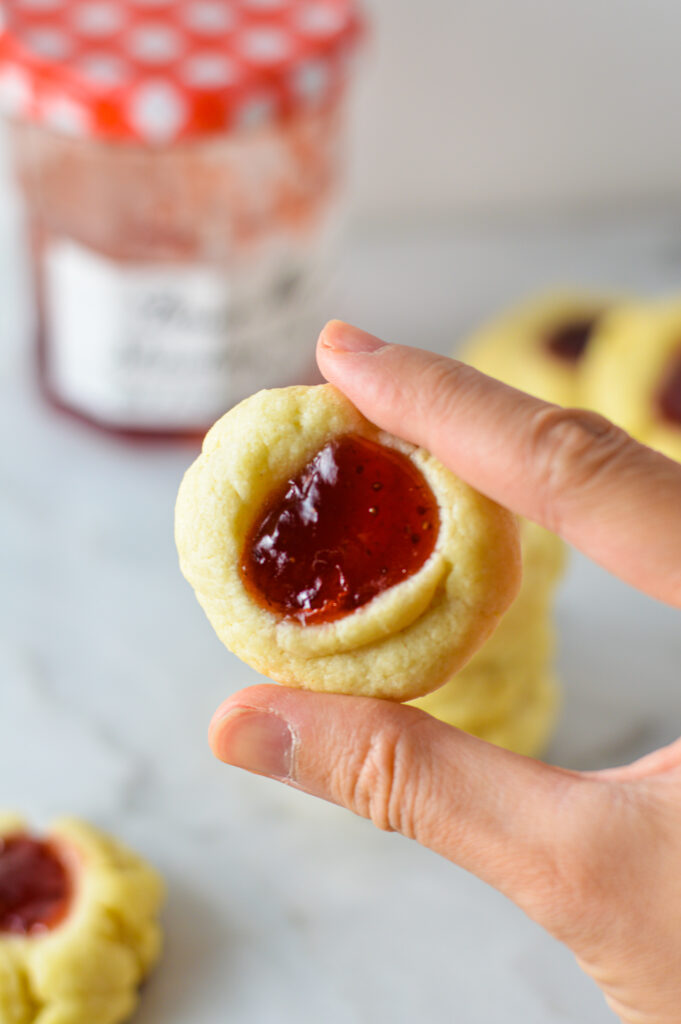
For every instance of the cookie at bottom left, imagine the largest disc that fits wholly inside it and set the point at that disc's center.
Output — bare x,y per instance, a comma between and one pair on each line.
78,924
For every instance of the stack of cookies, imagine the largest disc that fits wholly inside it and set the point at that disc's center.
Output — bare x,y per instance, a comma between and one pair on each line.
507,693
621,359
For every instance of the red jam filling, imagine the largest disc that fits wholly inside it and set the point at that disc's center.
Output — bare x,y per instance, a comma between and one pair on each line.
669,395
568,341
34,886
358,519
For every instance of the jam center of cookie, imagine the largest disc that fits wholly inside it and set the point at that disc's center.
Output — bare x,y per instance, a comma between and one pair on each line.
34,886
568,341
358,519
669,396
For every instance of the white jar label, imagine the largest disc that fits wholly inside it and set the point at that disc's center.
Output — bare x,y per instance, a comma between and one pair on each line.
172,347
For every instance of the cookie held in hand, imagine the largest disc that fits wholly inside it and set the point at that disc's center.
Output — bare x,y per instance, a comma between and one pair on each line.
78,929
330,555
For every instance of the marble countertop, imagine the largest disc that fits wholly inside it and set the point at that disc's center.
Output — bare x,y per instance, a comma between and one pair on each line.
283,909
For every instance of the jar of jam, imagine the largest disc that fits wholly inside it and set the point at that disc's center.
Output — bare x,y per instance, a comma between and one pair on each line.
180,162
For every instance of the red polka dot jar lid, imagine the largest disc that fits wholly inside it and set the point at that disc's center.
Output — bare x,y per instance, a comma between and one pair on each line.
159,71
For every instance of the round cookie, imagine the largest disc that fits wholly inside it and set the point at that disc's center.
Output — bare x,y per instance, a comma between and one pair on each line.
290,463
539,346
632,375
78,929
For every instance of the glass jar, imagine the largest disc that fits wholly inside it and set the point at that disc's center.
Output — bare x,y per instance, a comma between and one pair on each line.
181,210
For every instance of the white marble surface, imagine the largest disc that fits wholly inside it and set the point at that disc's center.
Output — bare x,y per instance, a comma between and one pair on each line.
282,909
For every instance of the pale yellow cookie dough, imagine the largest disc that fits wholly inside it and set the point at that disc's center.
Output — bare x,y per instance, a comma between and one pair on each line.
530,727
525,635
483,693
512,667
544,559
512,347
507,693
86,970
626,367
516,707
403,643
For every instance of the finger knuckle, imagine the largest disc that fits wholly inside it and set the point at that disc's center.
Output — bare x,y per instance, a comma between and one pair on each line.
571,450
384,782
446,384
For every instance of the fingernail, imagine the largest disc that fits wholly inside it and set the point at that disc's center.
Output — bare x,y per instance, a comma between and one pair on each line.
341,337
257,741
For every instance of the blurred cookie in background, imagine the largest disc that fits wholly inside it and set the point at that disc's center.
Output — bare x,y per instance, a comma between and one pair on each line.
544,558
508,693
632,373
486,696
529,729
78,924
511,706
539,346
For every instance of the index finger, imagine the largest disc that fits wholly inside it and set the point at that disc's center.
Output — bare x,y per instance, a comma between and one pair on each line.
570,470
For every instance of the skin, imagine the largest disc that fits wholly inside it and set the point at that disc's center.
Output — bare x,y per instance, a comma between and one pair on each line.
593,857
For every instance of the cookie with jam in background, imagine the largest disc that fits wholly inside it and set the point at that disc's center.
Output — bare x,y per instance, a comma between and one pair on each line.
78,925
330,555
633,373
540,346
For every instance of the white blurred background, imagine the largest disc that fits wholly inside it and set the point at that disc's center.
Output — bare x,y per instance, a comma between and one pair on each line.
474,107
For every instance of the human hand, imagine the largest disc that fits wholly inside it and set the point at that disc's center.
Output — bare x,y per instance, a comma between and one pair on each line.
593,856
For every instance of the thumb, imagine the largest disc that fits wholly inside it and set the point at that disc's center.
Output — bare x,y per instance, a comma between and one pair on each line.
490,811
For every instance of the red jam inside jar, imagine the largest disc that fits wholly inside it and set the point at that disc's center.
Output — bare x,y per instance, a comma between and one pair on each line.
35,888
568,341
669,395
359,518
182,161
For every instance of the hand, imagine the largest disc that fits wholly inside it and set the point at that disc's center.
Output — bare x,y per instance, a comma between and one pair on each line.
594,857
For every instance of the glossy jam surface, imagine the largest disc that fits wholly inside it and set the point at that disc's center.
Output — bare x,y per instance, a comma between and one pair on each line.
568,341
669,395
35,887
358,519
